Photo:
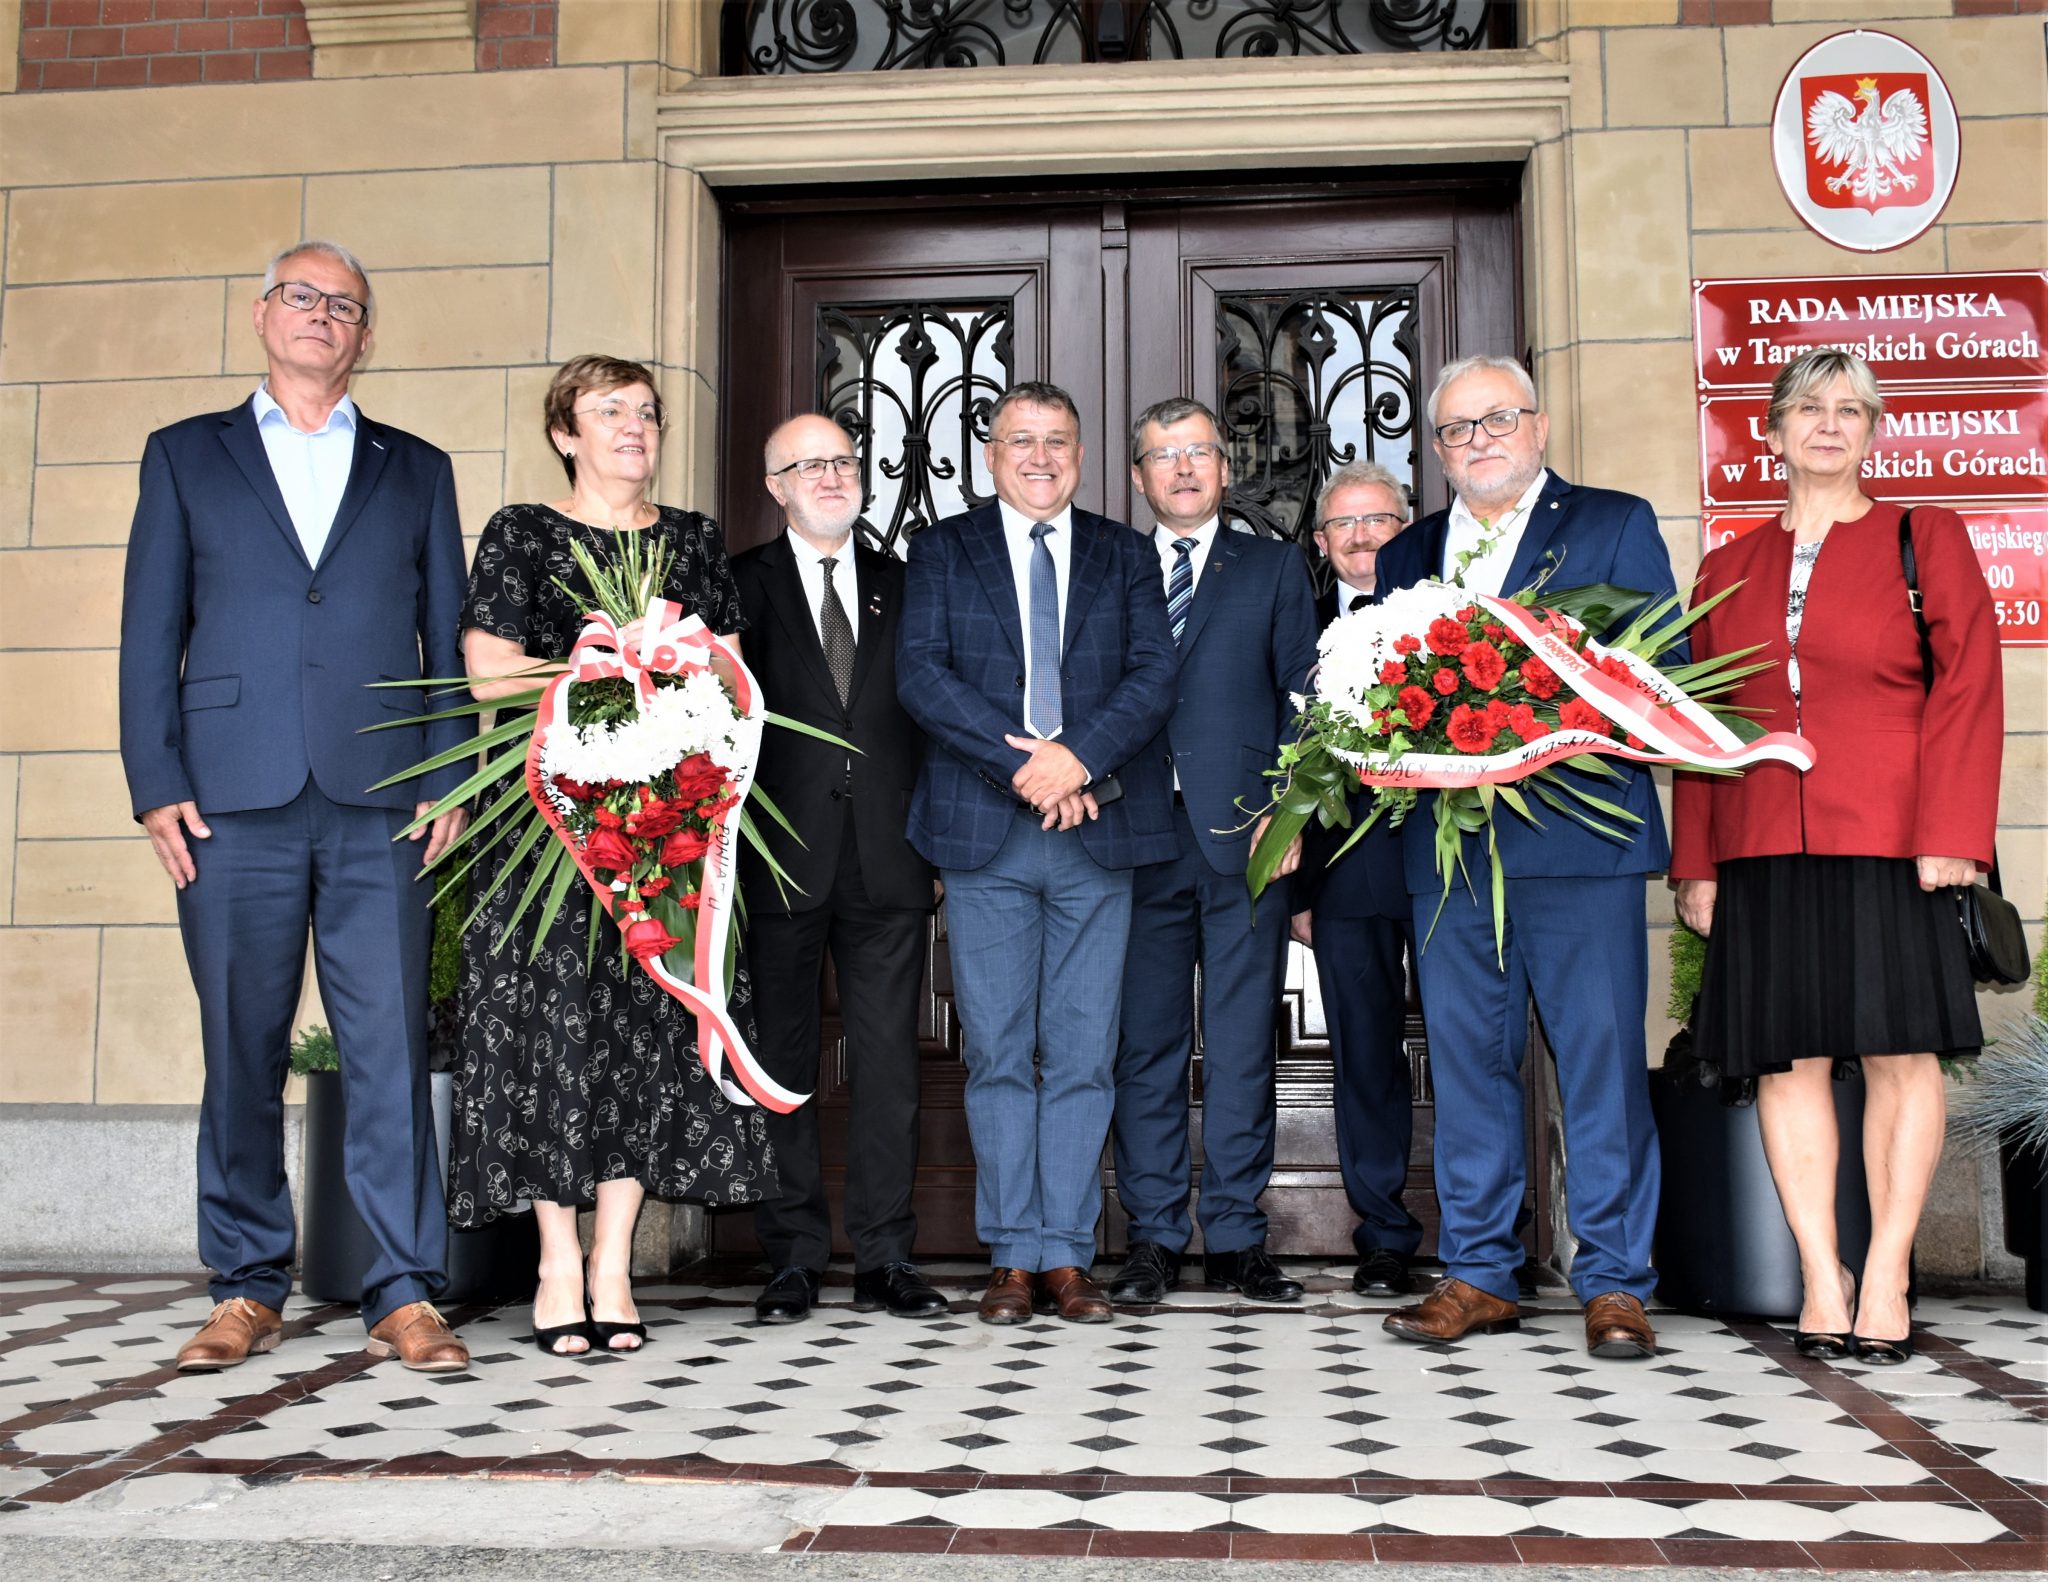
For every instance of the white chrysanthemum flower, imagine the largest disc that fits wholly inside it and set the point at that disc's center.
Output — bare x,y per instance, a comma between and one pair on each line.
694,717
1353,649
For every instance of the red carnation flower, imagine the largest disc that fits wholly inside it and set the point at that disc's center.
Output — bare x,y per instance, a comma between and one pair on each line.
1445,681
575,790
1483,666
1637,742
1495,632
1447,636
1417,705
1407,645
1539,678
697,777
685,845
1469,614
607,819
1579,715
646,939
1523,722
607,848
1470,730
1393,673
692,901
656,885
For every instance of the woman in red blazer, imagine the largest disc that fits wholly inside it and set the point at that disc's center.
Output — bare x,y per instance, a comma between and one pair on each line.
1832,933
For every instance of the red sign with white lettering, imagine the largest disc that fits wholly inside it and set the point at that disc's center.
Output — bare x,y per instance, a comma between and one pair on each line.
1911,329
1941,446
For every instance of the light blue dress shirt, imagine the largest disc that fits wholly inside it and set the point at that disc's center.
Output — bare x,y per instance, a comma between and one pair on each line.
311,469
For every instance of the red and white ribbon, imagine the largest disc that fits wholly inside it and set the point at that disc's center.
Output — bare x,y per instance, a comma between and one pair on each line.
672,643
1674,729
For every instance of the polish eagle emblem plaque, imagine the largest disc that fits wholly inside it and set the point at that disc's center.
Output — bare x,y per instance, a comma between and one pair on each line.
1866,141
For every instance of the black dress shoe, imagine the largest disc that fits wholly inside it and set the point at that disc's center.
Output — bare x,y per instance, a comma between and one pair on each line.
1251,1272
788,1297
1381,1273
1150,1271
899,1288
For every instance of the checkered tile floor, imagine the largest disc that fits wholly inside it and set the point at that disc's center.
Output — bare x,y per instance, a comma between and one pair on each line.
1197,1429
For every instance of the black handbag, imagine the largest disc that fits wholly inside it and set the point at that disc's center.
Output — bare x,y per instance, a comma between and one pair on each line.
1993,936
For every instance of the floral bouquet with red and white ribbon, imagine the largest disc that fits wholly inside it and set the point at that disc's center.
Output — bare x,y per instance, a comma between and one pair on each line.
1485,700
633,774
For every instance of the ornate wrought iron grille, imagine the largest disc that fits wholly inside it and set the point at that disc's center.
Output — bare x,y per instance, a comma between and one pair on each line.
1310,380
781,37
912,384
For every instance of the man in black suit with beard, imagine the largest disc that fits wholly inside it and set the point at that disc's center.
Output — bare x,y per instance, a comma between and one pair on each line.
822,612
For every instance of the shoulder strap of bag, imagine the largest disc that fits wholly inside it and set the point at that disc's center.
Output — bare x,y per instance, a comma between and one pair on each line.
1910,564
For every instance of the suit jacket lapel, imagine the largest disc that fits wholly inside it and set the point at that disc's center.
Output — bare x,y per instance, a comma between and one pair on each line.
1210,589
1545,518
873,616
784,586
982,533
245,445
1088,558
371,454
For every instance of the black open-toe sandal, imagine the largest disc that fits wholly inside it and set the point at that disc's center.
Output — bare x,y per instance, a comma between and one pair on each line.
545,1338
1882,1353
606,1333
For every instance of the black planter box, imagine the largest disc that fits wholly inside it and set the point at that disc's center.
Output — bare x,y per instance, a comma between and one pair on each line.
498,1261
1723,1246
2025,1173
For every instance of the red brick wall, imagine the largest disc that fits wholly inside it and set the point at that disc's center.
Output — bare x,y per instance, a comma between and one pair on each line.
511,34
149,43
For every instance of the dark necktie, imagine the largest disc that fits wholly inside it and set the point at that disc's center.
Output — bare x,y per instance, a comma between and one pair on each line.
838,633
1180,586
1359,601
1044,703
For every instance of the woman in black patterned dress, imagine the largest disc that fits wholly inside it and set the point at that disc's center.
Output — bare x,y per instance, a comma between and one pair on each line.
580,1083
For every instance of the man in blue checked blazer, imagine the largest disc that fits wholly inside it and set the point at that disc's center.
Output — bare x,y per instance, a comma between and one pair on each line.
1242,615
1035,654
286,556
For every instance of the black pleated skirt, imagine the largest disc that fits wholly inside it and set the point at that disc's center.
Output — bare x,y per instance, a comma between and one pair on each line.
1832,958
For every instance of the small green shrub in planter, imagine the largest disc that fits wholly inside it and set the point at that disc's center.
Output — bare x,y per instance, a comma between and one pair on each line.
314,1049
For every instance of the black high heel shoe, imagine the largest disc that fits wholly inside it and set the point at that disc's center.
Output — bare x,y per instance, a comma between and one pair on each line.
603,1333
1826,1345
1883,1353
546,1339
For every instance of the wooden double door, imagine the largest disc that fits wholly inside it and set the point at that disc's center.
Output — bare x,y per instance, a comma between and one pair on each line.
1311,320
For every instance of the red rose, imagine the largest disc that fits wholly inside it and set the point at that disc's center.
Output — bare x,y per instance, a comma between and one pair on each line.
1539,678
575,790
1407,645
697,777
1417,705
655,819
607,848
1579,715
1471,731
1447,636
646,939
1483,666
685,845
1393,673
1445,681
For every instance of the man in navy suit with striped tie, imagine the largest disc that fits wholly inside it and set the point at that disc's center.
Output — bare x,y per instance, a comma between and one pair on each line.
1242,615
1035,654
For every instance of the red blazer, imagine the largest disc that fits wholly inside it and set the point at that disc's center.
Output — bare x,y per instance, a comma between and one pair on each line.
1899,771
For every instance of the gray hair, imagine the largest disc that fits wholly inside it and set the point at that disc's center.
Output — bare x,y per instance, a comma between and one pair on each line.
1469,365
1174,409
334,250
1807,372
1358,474
1034,392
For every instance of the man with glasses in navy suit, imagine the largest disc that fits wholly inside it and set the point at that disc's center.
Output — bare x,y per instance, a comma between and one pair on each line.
1034,652
286,557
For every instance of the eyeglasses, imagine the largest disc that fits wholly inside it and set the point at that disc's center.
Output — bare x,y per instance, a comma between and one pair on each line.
614,414
1024,444
1167,457
298,295
812,468
1378,522
1505,421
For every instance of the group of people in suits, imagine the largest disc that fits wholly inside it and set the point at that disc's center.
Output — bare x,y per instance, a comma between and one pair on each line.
1059,725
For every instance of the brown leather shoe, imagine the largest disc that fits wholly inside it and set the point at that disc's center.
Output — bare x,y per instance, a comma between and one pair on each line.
1008,1297
233,1331
1451,1311
1617,1326
419,1337
1073,1296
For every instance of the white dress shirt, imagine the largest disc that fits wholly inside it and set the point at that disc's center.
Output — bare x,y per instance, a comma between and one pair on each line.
1465,531
311,469
1017,536
810,571
1205,538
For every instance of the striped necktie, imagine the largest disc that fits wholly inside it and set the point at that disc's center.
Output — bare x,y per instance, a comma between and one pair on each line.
1180,586
1043,704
